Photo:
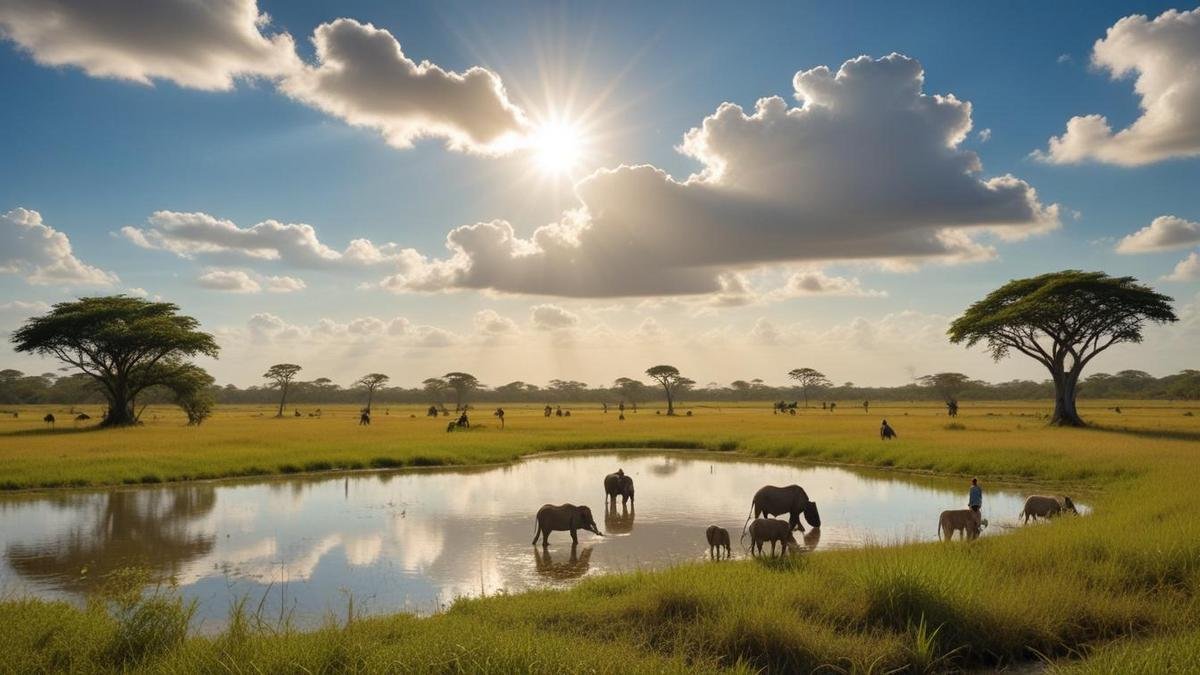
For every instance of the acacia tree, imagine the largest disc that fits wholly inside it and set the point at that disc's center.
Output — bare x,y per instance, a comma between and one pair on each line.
947,385
435,387
671,381
630,390
191,389
124,344
281,376
809,379
462,384
371,382
1062,320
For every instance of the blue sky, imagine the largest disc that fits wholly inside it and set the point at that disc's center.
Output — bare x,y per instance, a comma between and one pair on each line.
93,154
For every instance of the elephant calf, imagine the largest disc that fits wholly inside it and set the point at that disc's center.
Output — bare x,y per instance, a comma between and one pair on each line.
966,521
1045,506
718,537
772,530
551,518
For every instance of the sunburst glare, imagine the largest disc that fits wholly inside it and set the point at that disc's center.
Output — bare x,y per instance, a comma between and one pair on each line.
558,147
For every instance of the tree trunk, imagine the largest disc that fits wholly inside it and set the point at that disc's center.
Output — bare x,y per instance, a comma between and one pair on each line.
120,407
1065,414
282,400
370,395
670,401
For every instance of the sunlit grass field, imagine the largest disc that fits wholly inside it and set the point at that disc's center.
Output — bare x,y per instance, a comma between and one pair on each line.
1116,591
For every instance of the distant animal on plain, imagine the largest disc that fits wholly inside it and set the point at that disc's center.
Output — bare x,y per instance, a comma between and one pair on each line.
296,413
364,420
568,517
966,521
689,413
886,432
773,530
49,420
718,538
450,427
82,417
1046,506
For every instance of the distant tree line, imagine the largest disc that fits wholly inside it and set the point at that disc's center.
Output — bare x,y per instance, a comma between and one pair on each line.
19,388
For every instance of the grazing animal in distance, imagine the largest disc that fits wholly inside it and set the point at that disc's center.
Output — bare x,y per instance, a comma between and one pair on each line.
450,427
773,530
1046,506
966,521
718,537
551,518
364,420
500,415
82,417
886,432
618,485
792,500
49,420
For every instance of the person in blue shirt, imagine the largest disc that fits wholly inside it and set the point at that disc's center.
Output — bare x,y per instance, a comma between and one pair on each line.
975,497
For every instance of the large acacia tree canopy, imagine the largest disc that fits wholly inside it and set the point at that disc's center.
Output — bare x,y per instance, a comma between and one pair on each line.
1062,315
126,344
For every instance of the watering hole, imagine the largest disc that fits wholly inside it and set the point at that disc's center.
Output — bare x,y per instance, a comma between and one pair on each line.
301,547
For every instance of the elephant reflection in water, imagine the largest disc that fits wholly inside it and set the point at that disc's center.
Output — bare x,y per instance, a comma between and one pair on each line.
812,538
151,529
619,523
573,568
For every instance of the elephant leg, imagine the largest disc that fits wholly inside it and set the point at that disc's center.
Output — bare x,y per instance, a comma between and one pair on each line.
574,537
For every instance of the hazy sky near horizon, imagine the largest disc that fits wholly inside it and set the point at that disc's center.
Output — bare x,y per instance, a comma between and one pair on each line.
579,191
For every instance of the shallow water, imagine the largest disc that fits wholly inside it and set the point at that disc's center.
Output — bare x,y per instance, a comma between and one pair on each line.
414,541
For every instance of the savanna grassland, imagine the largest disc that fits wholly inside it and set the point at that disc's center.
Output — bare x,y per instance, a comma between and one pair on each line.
1116,591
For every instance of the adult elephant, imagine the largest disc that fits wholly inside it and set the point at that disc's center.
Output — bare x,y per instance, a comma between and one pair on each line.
792,500
618,485
551,518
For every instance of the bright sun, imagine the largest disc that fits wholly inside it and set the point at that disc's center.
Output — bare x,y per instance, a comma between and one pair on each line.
557,147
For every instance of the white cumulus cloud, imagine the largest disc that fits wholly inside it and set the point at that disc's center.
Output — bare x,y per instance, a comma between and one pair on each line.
1164,55
866,167
198,44
1162,234
1187,269
242,281
42,254
188,235
363,77
552,317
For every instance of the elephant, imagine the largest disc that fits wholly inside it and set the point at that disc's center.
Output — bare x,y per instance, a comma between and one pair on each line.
718,537
551,518
966,521
772,530
618,485
1045,506
792,500
618,523
575,567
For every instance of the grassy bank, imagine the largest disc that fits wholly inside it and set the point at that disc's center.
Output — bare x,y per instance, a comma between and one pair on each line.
1113,592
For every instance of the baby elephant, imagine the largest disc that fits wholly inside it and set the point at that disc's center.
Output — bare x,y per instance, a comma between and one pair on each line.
1044,506
966,521
551,518
717,537
772,530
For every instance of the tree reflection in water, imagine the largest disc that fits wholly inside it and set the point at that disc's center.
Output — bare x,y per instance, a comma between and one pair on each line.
151,529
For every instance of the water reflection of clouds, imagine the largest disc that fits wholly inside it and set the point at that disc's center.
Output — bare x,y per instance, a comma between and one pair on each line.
412,540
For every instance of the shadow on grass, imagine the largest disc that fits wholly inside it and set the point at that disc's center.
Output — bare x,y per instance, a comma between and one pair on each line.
52,432
1156,434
